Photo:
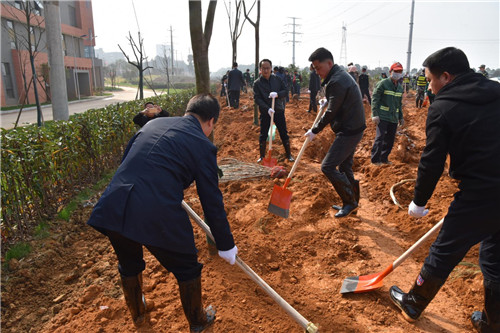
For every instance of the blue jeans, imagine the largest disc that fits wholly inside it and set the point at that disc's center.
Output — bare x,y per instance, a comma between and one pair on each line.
384,140
341,154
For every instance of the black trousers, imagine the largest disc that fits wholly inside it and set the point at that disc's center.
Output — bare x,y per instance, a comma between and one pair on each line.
384,140
234,98
341,155
472,218
313,106
184,266
279,120
365,91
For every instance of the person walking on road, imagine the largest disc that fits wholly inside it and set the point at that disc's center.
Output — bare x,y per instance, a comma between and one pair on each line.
234,82
463,124
364,84
142,206
387,113
314,86
346,116
265,88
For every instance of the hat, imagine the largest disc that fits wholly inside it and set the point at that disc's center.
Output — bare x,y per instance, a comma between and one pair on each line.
482,66
396,67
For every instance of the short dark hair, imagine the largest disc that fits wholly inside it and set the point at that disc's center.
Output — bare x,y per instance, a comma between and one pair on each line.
269,61
205,106
147,103
235,64
276,68
450,59
321,54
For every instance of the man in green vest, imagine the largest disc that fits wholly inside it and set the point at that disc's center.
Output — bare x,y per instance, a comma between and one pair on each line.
387,113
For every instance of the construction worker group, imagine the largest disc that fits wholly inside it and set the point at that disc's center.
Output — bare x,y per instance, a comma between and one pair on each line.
142,206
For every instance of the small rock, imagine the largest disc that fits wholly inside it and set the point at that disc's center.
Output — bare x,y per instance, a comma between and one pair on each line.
74,311
56,308
153,321
72,276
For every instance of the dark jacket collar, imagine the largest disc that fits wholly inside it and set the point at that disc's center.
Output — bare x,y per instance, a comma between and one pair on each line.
334,69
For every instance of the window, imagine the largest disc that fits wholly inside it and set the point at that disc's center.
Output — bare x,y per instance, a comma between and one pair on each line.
72,15
38,7
19,5
12,34
7,80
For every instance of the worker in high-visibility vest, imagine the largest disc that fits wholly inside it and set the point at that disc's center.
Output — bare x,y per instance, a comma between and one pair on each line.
421,84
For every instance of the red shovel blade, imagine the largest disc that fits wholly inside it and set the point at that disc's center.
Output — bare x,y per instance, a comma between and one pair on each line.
269,161
364,283
280,201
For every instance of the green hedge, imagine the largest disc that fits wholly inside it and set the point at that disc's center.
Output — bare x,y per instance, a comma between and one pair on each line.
43,168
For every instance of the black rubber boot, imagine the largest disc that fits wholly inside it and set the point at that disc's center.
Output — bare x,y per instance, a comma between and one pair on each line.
416,300
488,320
355,188
198,318
286,144
132,290
262,151
346,193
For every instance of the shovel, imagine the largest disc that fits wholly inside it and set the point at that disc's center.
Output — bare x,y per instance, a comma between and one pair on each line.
281,196
269,161
361,284
307,325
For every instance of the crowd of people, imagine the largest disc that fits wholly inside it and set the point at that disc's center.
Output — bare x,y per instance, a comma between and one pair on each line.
142,206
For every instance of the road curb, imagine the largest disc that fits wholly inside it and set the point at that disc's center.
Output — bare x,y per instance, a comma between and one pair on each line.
50,105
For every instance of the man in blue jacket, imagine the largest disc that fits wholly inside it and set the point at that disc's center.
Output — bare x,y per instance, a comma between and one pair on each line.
463,124
142,206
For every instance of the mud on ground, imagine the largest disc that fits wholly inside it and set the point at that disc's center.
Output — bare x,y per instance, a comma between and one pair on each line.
70,282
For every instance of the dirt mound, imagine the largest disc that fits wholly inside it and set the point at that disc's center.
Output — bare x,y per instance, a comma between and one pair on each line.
70,282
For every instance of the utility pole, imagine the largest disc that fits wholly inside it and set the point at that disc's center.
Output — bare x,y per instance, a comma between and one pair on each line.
343,48
172,50
293,41
408,60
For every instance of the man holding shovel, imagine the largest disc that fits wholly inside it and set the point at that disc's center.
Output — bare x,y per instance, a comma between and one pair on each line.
463,122
143,206
265,88
346,115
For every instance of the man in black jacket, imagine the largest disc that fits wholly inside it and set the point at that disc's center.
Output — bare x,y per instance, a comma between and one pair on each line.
264,88
346,116
364,84
463,122
150,112
142,206
314,86
234,82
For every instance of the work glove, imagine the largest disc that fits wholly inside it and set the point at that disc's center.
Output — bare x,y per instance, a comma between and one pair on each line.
310,135
229,255
376,120
417,211
308,91
273,95
322,102
270,112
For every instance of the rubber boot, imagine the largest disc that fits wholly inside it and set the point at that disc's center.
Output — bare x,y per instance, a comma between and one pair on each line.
132,290
416,300
262,151
198,318
286,144
488,320
355,188
346,193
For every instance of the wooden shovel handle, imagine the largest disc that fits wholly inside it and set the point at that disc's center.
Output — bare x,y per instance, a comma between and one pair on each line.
307,325
271,127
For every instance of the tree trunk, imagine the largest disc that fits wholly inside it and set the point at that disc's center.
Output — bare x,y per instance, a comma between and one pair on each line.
141,83
37,101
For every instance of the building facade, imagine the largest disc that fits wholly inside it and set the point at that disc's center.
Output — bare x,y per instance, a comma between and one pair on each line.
84,74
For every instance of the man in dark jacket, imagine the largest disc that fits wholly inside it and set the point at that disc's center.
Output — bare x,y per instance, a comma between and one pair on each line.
364,85
463,122
264,88
346,115
150,112
314,86
142,206
235,81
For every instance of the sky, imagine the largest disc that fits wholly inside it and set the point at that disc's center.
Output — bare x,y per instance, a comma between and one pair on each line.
377,32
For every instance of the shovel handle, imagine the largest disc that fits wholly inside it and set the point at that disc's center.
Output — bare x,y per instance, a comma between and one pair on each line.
425,237
271,128
307,325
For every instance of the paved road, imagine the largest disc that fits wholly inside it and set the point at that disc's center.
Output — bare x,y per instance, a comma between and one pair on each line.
8,118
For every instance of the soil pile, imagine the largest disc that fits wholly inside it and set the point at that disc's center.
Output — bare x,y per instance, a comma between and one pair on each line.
70,282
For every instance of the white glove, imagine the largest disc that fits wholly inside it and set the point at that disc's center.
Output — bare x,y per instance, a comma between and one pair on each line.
273,95
308,91
322,102
376,120
229,255
417,211
310,135
271,112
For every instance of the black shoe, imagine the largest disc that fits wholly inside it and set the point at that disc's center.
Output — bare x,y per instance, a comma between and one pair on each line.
198,318
337,207
262,151
345,190
416,300
347,210
488,320
289,157
132,290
